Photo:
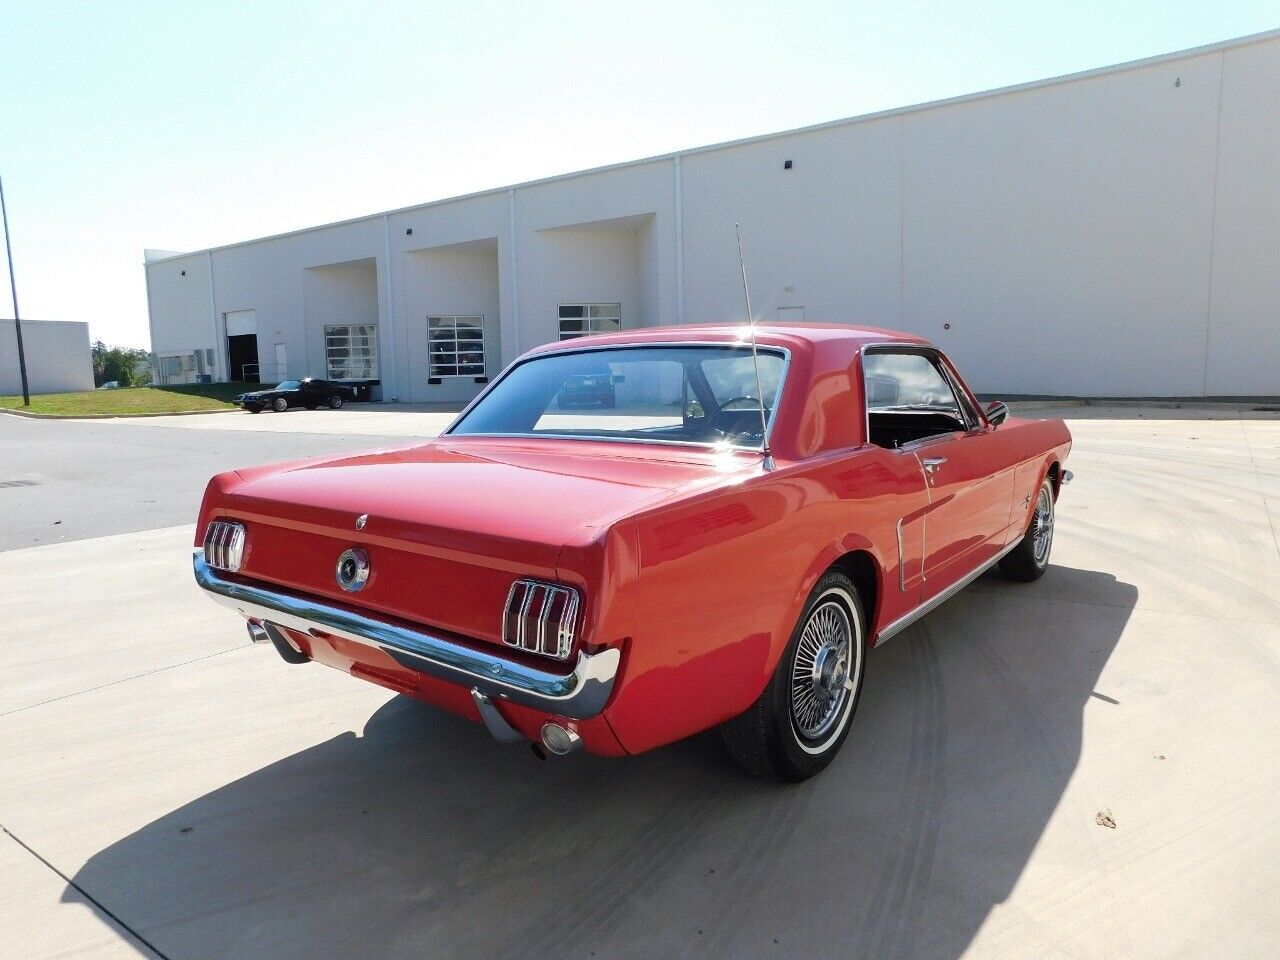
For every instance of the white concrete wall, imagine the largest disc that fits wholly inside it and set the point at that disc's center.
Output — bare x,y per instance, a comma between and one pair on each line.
1107,234
181,313
57,355
1243,348
453,280
580,265
1064,233
824,235
482,220
338,294
618,225
272,277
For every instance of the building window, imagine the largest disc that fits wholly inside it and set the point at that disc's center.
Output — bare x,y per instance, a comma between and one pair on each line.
351,352
456,347
580,319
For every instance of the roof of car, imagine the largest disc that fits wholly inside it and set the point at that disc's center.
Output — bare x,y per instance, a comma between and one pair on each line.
766,333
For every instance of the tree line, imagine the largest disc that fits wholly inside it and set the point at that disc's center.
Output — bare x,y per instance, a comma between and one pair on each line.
125,366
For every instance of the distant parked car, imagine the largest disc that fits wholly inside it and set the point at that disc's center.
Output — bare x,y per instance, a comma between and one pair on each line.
309,392
589,390
110,385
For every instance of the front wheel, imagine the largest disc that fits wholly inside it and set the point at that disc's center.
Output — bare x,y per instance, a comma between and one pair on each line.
1030,558
801,720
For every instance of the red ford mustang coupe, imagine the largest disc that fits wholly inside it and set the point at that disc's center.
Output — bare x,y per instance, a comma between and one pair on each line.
722,545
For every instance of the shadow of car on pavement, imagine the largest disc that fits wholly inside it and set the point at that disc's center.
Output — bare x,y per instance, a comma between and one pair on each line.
421,837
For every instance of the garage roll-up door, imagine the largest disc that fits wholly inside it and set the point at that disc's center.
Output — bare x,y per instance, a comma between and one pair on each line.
240,322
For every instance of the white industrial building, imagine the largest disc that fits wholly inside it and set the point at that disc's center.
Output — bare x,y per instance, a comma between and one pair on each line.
1110,233
57,354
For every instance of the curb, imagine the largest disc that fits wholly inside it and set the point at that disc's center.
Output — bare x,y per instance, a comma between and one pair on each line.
111,416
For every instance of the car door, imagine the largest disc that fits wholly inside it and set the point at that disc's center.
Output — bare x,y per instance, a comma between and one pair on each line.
971,493
969,489
312,393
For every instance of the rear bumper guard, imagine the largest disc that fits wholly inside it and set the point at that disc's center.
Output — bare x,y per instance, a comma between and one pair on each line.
579,695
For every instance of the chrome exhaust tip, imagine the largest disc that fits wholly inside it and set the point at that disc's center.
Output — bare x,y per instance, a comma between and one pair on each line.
258,633
559,739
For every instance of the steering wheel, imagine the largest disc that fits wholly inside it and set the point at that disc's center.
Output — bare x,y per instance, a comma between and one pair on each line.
724,409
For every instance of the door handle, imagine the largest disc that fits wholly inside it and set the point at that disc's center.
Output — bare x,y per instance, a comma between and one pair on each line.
931,464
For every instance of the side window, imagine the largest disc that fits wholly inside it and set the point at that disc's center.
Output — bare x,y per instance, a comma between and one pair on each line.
908,398
966,402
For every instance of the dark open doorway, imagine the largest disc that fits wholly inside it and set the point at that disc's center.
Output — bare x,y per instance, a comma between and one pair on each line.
242,357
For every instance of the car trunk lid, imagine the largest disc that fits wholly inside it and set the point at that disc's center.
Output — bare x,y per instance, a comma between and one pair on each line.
447,526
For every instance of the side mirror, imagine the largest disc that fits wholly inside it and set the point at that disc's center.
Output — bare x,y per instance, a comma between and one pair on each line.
997,413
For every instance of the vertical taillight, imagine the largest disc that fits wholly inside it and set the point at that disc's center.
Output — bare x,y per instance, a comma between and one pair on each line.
541,618
224,545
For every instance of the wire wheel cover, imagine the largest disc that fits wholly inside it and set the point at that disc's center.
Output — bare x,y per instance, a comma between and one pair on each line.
823,673
1042,527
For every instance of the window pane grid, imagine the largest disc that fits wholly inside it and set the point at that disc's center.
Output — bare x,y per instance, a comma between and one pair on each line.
580,319
351,352
455,346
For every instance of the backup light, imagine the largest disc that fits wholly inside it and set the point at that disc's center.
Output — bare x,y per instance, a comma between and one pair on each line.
540,617
224,545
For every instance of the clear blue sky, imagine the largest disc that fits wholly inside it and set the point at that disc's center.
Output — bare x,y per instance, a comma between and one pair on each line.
181,126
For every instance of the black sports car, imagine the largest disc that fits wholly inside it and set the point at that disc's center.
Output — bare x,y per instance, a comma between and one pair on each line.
309,392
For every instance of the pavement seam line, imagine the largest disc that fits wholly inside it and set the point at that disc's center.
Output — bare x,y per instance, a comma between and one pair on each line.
136,676
87,895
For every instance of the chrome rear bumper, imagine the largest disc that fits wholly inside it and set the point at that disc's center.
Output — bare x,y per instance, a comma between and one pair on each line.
580,694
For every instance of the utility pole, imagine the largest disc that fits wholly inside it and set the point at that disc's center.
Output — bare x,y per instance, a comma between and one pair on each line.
13,287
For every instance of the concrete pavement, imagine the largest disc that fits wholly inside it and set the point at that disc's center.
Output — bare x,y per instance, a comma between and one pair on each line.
361,419
64,480
217,802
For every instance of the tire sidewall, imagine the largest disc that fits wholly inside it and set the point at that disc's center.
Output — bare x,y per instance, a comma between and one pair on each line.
796,757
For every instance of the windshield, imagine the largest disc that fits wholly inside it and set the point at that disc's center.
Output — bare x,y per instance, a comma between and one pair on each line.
704,395
288,385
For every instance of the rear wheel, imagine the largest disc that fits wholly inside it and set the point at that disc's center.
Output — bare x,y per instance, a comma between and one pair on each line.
280,405
335,401
801,720
1030,558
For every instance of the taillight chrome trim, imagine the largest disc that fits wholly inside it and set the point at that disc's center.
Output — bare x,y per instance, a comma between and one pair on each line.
541,618
224,545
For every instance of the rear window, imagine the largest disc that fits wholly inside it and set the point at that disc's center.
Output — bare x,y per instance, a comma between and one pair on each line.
703,395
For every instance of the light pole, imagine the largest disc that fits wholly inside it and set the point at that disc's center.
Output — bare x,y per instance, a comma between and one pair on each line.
13,287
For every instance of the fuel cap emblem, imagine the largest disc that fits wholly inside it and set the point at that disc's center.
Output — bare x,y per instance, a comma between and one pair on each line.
352,571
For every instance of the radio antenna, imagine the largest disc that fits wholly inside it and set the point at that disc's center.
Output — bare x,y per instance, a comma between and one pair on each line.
755,353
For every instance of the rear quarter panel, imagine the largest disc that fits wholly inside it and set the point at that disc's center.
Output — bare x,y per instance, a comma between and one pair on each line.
723,577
